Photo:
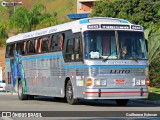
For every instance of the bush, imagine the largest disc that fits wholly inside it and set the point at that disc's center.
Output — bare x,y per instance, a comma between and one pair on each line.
154,73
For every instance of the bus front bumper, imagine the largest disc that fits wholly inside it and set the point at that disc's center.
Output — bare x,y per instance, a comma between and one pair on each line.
116,93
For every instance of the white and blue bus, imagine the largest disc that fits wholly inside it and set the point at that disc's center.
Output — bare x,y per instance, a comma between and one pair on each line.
91,58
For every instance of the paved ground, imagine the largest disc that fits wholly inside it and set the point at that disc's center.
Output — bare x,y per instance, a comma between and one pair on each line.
11,103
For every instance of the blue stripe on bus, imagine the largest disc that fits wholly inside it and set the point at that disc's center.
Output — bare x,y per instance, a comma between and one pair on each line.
39,57
106,66
81,66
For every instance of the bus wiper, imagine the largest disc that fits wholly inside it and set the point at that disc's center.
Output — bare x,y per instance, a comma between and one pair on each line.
133,58
106,58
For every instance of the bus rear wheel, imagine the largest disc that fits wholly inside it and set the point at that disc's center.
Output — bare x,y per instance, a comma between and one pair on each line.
21,94
30,97
122,102
69,94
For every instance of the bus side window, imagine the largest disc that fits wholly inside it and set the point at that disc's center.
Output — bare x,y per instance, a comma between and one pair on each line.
49,43
69,55
54,43
46,44
39,45
61,41
19,48
30,47
9,52
24,50
36,45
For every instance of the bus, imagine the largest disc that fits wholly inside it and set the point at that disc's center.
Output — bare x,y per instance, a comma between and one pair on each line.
91,58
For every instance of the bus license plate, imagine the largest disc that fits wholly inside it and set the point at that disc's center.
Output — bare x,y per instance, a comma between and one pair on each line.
120,81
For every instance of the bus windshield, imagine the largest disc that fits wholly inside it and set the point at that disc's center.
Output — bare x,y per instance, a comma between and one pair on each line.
102,44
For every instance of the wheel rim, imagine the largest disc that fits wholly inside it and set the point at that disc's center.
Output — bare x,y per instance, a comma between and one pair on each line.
69,92
20,90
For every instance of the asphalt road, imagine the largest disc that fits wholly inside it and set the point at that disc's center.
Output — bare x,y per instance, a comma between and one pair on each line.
12,103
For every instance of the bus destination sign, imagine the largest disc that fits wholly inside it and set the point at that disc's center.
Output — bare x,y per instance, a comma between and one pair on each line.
106,26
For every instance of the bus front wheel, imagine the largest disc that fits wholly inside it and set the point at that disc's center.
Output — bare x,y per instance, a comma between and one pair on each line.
21,96
69,94
122,102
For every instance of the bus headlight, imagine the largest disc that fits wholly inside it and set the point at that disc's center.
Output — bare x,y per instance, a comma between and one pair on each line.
97,82
103,82
137,82
100,82
140,82
143,82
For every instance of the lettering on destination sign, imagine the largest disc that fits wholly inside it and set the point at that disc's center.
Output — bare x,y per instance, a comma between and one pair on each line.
96,26
135,27
105,26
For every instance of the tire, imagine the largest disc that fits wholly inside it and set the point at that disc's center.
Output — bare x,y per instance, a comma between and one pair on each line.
69,94
21,96
122,102
60,99
31,97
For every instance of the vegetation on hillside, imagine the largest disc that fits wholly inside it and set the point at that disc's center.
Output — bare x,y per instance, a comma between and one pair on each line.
23,21
33,15
145,13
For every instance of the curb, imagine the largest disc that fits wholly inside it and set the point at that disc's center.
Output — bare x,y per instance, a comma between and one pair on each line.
155,102
8,93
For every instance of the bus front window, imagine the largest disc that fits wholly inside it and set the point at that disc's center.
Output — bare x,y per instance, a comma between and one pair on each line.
131,45
100,44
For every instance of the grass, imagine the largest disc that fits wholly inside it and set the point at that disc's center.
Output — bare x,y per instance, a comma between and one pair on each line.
62,7
59,6
154,93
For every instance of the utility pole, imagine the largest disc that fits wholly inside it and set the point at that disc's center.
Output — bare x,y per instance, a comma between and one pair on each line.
12,4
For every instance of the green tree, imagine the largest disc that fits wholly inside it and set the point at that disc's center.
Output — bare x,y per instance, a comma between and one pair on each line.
143,12
3,35
36,14
153,47
47,22
19,20
23,20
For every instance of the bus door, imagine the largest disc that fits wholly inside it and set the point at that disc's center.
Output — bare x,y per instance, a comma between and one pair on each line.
73,49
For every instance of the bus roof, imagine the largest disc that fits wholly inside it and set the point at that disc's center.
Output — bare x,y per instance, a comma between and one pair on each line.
74,26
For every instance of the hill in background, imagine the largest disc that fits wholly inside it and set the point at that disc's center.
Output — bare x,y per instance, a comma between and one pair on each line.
61,7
